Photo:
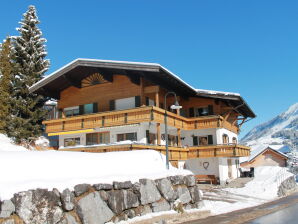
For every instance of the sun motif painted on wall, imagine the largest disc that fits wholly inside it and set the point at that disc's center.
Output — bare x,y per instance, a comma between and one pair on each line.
93,79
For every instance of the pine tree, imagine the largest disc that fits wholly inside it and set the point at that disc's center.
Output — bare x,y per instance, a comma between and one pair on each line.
29,56
6,71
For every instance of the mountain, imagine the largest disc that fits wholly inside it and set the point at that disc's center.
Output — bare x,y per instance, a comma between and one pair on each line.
281,130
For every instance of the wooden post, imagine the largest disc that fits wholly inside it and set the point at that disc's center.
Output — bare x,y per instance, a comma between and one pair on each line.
142,91
158,133
179,137
157,99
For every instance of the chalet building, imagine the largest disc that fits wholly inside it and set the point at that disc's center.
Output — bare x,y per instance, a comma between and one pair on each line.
112,105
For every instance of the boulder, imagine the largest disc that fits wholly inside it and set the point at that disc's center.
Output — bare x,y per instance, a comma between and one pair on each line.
93,210
165,188
196,194
190,180
81,189
119,218
67,198
148,192
130,213
106,187
183,194
146,210
122,185
121,200
161,205
38,206
177,180
104,195
6,208
68,219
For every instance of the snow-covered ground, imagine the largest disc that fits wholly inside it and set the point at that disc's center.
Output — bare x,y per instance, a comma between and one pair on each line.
22,169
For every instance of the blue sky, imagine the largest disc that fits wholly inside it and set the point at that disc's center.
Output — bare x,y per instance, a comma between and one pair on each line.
250,47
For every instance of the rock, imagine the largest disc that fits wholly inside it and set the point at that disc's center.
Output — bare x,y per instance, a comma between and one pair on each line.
146,210
121,217
38,206
68,219
199,204
106,187
190,180
183,194
187,206
122,185
8,221
81,189
93,210
6,208
149,192
121,200
165,188
104,195
287,186
67,198
196,194
130,213
161,205
177,180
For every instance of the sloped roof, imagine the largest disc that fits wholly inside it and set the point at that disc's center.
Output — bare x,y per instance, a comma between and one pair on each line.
75,71
263,148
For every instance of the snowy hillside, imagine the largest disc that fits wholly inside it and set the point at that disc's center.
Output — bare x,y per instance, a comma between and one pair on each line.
281,130
23,169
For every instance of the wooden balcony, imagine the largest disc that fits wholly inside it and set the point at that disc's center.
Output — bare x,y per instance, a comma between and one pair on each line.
134,116
175,153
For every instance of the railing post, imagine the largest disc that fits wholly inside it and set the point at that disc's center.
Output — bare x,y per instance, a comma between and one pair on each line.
125,118
103,121
214,152
234,150
151,115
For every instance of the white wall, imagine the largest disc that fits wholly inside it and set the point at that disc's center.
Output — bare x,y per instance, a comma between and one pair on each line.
224,169
197,166
221,131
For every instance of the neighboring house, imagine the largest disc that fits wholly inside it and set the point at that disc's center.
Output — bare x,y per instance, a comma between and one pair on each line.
266,156
113,105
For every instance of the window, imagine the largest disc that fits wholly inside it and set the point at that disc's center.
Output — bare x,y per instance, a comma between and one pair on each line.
98,138
127,136
203,140
72,141
71,111
234,140
172,139
201,111
88,108
225,139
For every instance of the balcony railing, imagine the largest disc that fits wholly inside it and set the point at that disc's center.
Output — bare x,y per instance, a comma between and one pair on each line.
134,116
175,153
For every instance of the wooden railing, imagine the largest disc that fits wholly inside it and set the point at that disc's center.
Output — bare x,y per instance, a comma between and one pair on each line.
175,153
133,116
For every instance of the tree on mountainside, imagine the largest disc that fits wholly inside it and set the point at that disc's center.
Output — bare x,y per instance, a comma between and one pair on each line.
29,58
6,72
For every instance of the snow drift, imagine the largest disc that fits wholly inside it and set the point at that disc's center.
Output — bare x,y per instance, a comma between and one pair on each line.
22,169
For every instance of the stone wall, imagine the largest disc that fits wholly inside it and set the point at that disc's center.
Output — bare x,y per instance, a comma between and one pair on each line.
287,186
101,203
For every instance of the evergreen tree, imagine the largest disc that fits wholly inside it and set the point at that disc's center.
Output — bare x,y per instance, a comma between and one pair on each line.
6,71
29,57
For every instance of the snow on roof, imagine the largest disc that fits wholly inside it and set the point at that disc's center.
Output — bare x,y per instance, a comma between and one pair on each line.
213,92
51,102
52,76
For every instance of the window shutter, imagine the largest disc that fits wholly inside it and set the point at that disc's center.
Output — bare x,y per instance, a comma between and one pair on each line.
191,112
60,113
137,101
210,139
95,107
147,137
147,101
195,140
210,109
81,109
112,104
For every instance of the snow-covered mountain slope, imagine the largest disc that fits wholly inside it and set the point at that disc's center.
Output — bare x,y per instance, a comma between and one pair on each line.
281,130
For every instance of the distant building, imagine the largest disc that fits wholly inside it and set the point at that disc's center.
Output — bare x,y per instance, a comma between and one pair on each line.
266,156
113,106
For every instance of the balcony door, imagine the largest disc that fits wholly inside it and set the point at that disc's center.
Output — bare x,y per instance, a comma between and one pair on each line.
126,103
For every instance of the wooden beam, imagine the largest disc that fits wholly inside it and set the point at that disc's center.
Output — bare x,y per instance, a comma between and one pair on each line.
158,133
157,99
151,89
